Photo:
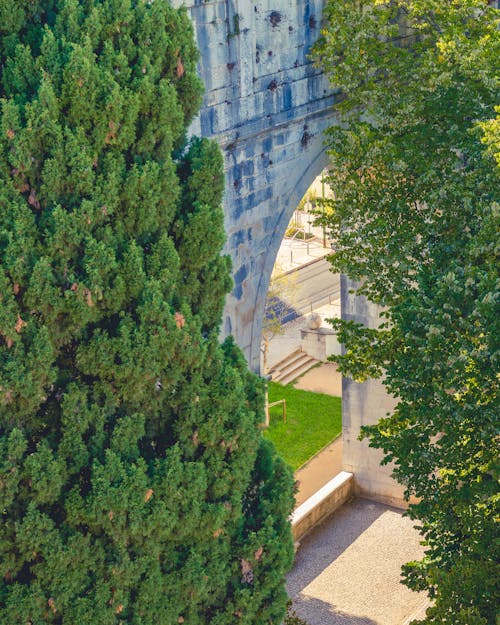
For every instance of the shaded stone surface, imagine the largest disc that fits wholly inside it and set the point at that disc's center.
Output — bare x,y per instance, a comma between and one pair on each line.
365,404
268,107
347,571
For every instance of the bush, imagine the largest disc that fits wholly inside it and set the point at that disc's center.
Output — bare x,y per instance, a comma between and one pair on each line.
136,487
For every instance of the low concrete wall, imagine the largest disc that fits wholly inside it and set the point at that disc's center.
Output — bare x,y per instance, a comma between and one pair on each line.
319,343
315,509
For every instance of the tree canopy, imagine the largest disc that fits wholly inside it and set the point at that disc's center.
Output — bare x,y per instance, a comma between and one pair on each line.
135,486
415,170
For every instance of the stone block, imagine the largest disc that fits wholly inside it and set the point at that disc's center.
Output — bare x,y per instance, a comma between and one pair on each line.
268,106
322,504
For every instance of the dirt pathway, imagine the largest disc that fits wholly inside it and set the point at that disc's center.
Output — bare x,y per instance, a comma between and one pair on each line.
323,379
319,470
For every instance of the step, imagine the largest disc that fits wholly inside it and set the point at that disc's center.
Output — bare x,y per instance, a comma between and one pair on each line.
291,362
282,363
291,365
293,375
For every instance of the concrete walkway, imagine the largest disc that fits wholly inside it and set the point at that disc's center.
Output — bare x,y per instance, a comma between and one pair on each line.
319,470
323,379
347,570
296,253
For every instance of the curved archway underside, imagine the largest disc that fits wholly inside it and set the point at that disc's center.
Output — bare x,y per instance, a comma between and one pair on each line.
268,107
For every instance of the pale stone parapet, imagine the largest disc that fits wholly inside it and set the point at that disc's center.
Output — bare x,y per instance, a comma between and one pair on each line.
325,501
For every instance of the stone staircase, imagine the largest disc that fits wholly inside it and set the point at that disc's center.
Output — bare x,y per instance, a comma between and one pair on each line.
291,367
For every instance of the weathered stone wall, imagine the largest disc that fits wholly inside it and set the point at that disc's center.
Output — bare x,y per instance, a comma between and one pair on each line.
268,106
365,404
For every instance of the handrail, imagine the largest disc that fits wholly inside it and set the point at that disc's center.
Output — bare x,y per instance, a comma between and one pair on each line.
275,403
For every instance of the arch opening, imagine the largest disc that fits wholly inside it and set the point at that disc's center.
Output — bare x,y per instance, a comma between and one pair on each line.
304,391
303,293
289,202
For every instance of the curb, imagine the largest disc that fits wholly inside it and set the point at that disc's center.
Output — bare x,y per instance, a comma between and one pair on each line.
321,505
307,264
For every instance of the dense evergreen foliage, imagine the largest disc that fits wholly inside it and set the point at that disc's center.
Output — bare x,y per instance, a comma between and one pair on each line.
135,486
415,222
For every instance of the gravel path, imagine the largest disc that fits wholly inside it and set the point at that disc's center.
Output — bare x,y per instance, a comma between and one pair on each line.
347,571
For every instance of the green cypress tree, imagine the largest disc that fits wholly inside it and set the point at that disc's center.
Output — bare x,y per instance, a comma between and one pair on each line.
135,485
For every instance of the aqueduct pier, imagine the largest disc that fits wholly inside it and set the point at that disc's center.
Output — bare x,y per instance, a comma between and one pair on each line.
268,106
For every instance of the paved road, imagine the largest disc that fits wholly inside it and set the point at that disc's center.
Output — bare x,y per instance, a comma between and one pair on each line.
313,285
347,570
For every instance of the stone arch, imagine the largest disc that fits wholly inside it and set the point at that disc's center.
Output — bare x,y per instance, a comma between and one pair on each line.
311,169
268,106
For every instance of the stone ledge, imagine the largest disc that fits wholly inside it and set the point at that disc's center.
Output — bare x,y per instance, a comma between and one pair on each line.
328,498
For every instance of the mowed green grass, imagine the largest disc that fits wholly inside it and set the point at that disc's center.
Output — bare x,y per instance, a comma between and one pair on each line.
313,420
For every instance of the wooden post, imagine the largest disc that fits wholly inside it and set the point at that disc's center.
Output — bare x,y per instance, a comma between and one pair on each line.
275,403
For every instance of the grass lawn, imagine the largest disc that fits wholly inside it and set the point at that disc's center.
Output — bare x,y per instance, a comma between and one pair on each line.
313,420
